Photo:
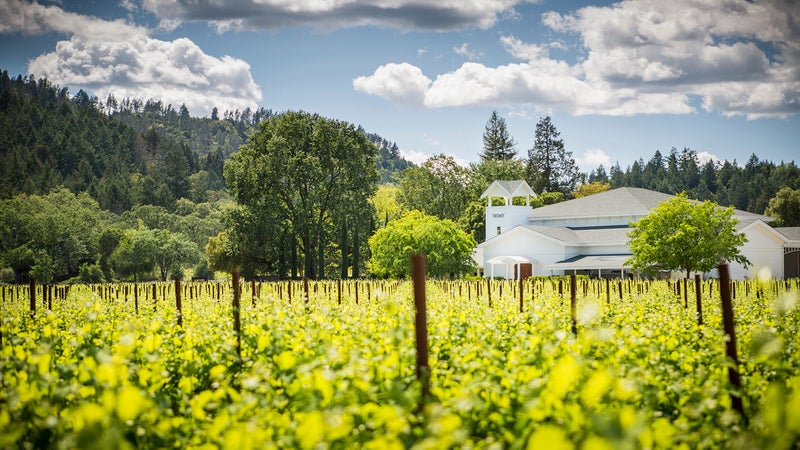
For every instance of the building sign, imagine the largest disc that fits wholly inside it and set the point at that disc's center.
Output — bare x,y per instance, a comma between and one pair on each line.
498,216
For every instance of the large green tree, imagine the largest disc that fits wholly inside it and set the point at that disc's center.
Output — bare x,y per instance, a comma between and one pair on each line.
437,187
551,167
294,175
497,142
785,207
142,251
681,234
51,235
447,247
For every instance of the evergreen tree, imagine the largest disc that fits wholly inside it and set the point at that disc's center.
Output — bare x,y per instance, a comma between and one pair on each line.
551,167
497,143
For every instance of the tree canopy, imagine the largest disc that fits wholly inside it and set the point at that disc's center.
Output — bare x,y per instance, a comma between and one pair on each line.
551,167
448,249
49,236
497,142
785,207
680,234
437,187
296,175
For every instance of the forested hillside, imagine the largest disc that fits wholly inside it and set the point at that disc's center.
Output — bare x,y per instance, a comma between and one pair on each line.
124,152
121,189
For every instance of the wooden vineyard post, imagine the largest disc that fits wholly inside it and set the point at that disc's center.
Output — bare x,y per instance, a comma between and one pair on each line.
237,326
339,291
178,301
305,291
698,295
521,298
572,304
356,289
155,297
608,292
136,298
730,344
489,290
685,293
32,295
418,268
253,293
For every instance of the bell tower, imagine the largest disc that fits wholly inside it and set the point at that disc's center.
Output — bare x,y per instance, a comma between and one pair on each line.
501,218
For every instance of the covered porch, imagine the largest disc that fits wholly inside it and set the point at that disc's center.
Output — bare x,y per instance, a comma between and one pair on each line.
602,266
509,267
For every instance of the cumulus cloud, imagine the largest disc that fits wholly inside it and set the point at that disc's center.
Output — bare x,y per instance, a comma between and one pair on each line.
401,83
442,15
114,57
34,19
646,57
593,158
704,157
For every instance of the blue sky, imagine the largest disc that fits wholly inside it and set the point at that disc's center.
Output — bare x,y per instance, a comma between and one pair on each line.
619,79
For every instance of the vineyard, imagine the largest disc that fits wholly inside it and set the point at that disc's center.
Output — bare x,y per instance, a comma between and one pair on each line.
332,365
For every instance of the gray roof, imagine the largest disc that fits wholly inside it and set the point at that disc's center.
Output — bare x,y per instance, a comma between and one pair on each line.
504,188
624,201
593,235
791,233
616,202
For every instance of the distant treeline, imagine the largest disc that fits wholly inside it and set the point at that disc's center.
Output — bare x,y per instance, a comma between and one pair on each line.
748,187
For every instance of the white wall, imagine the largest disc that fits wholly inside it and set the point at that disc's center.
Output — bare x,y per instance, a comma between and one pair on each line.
763,250
505,217
524,243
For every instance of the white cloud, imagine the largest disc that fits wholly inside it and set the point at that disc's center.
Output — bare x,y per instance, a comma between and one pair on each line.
644,57
401,83
442,15
593,158
114,57
129,5
35,19
704,157
466,52
418,157
522,50
414,156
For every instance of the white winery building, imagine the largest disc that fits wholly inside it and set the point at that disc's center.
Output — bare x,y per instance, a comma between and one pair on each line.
589,235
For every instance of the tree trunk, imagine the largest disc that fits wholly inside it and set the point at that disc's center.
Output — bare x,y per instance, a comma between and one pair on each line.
308,249
293,260
282,269
321,254
356,245
343,247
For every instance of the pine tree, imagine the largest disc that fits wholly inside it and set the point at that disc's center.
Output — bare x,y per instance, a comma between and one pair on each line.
551,167
497,143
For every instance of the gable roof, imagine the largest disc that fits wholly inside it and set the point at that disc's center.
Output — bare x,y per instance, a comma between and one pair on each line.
791,233
626,201
584,236
514,188
567,236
